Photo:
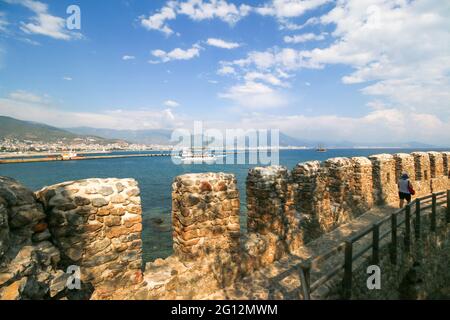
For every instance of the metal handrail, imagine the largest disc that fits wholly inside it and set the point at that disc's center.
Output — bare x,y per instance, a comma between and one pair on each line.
374,245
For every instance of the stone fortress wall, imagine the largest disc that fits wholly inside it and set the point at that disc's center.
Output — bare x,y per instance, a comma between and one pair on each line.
96,223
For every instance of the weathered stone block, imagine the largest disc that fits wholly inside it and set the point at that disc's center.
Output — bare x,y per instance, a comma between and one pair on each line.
363,185
271,212
384,179
98,217
99,202
200,221
404,163
446,163
436,164
422,173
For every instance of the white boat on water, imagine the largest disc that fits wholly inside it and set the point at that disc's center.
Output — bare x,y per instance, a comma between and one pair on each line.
68,155
189,157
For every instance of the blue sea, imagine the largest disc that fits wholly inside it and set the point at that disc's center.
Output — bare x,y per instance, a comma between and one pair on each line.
155,176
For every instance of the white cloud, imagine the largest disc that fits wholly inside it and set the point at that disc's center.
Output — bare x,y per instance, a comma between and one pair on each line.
29,41
289,8
67,78
222,43
25,96
171,104
220,9
196,10
254,95
36,6
285,59
264,77
287,24
383,125
158,20
44,23
127,57
199,10
304,38
176,54
401,47
3,21
26,106
261,75
388,125
224,70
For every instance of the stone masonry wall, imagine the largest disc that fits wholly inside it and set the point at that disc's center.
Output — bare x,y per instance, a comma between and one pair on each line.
28,258
446,163
267,200
422,173
436,164
270,209
4,229
330,193
206,232
97,224
341,187
404,163
438,181
205,213
363,185
384,179
311,197
305,175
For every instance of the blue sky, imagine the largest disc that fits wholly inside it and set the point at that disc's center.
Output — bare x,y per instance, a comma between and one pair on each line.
343,70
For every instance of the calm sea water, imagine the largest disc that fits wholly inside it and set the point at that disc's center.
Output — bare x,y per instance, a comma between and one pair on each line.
155,176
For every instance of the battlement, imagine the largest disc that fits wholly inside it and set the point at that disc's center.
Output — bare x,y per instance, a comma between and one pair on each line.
96,224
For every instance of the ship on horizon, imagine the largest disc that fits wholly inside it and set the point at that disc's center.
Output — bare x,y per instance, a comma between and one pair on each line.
321,148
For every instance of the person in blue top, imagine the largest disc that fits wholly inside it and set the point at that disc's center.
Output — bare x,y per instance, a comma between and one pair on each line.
405,189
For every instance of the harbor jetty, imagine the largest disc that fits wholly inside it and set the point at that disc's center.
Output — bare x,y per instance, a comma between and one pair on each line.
58,158
63,157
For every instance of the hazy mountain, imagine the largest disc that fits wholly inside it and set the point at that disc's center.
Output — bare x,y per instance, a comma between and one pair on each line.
11,128
162,136
26,130
406,145
151,136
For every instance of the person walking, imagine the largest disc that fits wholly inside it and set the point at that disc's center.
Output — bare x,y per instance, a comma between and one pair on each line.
405,189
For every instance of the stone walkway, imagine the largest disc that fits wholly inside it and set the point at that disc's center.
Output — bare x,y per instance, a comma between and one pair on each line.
281,279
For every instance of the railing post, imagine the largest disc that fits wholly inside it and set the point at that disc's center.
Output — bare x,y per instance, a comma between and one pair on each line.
448,207
408,228
305,277
347,281
394,238
375,243
417,224
433,213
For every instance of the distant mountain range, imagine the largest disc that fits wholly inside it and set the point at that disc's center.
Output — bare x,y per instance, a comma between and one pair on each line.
151,136
11,128
33,131
162,136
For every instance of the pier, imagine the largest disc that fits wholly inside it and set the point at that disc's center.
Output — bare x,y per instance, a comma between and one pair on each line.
48,158
55,158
